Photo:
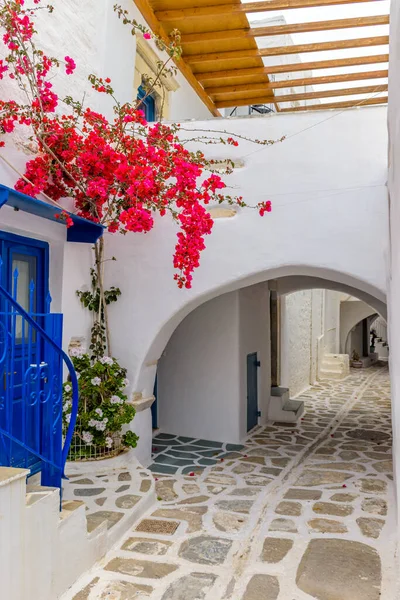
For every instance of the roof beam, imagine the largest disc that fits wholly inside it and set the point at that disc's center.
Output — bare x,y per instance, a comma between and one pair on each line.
267,98
236,89
287,29
252,7
300,66
157,28
282,50
334,105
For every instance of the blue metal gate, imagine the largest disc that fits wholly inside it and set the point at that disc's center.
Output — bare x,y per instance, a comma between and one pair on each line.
31,363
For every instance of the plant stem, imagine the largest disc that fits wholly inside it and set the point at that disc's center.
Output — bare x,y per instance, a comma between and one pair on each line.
103,309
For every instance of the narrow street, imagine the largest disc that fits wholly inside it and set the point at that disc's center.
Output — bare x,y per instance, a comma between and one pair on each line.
296,514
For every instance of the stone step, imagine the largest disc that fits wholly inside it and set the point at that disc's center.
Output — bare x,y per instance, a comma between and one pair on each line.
280,393
330,374
294,406
288,412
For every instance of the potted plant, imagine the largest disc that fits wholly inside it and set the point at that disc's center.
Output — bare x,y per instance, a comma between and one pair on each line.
355,360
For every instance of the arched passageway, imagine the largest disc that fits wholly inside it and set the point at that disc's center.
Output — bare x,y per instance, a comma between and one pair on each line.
203,370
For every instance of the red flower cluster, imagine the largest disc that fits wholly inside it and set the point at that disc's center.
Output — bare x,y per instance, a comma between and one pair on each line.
264,207
119,172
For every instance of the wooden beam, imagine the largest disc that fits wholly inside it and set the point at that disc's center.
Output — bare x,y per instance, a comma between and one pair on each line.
282,50
287,29
156,27
233,89
252,7
300,66
267,98
336,105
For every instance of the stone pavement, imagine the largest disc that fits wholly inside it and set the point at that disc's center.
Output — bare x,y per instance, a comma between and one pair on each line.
299,513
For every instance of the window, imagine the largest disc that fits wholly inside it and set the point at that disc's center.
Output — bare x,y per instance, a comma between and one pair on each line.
148,105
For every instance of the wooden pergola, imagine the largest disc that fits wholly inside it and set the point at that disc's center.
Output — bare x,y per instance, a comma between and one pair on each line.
224,64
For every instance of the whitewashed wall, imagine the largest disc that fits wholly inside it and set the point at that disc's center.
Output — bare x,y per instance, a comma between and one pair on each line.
202,374
254,336
198,375
351,313
393,271
296,338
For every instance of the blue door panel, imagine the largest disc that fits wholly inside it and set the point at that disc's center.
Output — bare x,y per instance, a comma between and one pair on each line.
30,258
252,390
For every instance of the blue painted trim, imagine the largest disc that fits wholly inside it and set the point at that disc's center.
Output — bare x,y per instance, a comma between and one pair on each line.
18,240
82,230
148,105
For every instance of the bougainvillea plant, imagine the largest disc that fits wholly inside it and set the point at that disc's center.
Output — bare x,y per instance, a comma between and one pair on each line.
118,172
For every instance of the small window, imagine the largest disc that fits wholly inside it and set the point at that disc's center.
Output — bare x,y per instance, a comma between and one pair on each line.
148,104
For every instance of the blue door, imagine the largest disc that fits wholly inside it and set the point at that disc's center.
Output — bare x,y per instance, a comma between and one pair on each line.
252,390
25,277
154,407
148,104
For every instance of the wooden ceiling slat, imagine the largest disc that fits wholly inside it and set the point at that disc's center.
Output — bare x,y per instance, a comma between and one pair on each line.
251,7
337,105
266,98
291,68
273,85
287,29
282,50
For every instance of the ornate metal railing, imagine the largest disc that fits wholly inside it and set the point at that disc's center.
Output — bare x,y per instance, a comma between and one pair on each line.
31,371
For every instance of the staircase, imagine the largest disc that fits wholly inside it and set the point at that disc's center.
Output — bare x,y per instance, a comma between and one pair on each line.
282,408
334,366
31,366
382,349
43,550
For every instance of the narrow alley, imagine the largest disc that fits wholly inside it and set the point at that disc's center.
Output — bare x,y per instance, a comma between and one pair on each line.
296,514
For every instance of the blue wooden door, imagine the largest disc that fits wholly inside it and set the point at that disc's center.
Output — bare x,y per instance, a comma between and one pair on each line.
252,390
154,408
25,277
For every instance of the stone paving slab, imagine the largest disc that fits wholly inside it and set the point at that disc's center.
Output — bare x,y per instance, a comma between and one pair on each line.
299,512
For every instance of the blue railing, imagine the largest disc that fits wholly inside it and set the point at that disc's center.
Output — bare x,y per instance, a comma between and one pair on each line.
31,370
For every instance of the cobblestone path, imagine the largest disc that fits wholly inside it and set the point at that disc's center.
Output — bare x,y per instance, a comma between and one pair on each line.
299,513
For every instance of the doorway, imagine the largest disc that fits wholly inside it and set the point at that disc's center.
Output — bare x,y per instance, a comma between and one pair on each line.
252,390
24,275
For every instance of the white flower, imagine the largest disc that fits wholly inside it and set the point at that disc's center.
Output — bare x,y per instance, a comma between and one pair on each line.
67,388
78,375
100,425
116,400
92,423
106,360
105,420
96,381
87,437
67,405
68,417
76,352
109,442
125,382
99,412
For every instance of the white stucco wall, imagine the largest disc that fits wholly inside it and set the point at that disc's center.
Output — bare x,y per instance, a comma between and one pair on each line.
254,336
202,374
393,272
351,313
296,339
198,376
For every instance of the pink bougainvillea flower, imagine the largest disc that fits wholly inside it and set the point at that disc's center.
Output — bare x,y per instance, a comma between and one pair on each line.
70,65
147,36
